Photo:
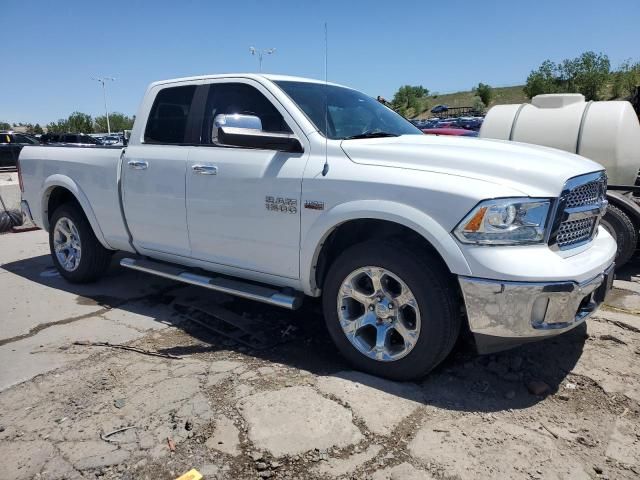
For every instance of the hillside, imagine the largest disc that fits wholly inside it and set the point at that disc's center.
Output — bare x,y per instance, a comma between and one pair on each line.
501,95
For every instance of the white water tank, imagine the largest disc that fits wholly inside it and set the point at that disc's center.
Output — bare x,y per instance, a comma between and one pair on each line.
607,132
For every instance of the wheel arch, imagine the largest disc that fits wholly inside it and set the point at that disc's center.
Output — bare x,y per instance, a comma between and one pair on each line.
59,189
367,219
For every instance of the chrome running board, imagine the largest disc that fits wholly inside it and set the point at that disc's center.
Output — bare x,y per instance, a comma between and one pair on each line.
238,288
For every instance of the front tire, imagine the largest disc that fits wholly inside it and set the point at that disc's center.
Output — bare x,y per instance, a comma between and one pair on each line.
620,226
391,312
76,252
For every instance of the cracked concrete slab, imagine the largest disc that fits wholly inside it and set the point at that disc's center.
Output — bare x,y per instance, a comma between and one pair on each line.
381,404
624,299
58,468
48,350
404,471
226,437
296,419
137,316
337,467
613,365
624,442
93,454
622,319
24,459
472,448
35,294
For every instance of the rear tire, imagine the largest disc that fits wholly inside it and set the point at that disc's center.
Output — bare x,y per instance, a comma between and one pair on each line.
620,226
432,327
76,252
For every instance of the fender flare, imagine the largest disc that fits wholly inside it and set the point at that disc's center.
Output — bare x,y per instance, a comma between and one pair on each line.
410,217
58,180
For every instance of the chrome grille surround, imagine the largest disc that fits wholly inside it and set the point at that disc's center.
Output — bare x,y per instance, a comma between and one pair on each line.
587,194
578,212
574,231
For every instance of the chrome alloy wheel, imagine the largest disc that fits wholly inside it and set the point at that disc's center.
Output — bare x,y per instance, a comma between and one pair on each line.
66,244
378,314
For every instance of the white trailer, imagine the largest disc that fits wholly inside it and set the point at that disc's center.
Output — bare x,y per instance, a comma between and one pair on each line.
607,132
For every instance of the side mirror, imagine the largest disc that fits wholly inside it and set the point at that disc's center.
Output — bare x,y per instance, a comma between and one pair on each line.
126,135
246,131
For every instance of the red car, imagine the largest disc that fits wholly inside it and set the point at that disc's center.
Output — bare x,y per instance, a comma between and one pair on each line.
458,132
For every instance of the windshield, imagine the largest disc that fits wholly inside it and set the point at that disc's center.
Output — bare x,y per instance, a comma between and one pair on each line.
350,114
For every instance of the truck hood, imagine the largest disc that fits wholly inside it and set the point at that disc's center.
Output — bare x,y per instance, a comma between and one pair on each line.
531,169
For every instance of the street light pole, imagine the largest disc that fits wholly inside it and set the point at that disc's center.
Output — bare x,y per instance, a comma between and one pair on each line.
102,80
260,54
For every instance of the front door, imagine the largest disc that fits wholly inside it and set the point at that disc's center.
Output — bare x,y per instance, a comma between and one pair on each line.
243,205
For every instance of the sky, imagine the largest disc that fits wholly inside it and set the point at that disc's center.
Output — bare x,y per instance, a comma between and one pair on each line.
52,49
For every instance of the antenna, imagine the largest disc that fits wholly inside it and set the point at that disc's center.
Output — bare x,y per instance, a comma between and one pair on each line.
325,168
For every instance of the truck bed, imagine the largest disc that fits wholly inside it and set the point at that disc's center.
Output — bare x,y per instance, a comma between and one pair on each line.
90,172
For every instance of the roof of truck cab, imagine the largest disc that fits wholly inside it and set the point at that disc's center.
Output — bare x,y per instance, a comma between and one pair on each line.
254,76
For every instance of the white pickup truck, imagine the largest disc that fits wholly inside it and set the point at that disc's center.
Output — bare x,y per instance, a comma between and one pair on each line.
286,187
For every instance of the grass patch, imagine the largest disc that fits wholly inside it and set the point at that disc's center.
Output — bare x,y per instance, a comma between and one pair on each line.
501,96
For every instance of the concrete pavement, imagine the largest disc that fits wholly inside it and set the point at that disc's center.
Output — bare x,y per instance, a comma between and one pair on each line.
294,410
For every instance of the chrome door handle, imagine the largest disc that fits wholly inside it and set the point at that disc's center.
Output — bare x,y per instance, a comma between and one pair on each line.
138,164
205,169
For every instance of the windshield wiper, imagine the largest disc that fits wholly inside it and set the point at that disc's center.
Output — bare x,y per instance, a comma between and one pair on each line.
372,135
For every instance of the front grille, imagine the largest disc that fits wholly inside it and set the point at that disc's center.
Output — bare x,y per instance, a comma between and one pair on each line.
580,208
575,231
587,194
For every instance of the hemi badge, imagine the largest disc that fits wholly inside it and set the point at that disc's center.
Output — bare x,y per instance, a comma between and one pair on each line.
313,205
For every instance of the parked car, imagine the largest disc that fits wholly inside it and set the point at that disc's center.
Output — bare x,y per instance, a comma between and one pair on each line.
10,145
468,123
456,132
271,188
110,140
75,138
440,109
431,123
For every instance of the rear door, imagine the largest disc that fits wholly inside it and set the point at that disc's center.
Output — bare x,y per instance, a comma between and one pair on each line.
153,175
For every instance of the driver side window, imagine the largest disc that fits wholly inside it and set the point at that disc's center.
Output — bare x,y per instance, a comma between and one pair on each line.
240,98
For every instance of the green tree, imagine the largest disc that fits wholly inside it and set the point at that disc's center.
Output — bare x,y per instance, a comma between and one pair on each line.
478,104
61,126
587,74
33,129
117,121
408,97
485,92
543,80
5,126
80,123
625,79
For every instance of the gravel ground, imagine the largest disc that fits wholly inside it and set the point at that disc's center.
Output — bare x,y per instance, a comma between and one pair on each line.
568,407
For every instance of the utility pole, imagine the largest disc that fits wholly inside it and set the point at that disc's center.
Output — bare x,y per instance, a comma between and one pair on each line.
102,80
260,54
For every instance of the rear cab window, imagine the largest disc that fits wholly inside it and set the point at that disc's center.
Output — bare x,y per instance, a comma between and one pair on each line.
167,122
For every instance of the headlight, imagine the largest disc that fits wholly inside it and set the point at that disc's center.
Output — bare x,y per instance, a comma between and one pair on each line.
505,221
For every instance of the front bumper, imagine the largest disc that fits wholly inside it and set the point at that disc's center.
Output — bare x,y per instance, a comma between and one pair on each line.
503,314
